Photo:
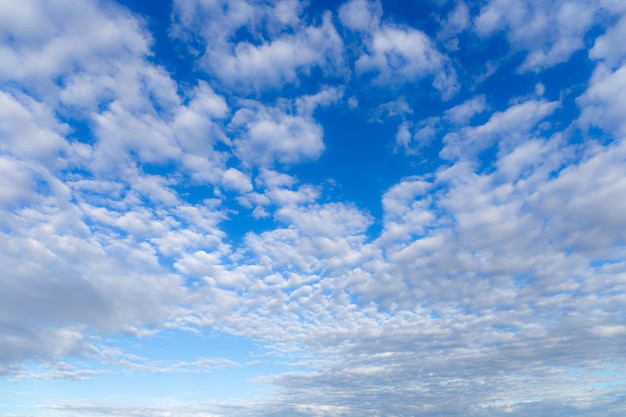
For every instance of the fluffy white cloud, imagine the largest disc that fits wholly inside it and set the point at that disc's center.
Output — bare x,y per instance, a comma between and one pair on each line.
73,52
414,137
361,15
29,129
91,64
407,210
399,55
610,46
395,108
307,104
17,183
84,230
396,54
549,31
275,57
195,124
269,134
581,196
455,22
604,102
220,19
236,180
328,220
464,112
279,61
477,274
508,128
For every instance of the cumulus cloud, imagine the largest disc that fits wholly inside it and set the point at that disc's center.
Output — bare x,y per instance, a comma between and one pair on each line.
508,128
464,112
279,61
289,50
398,55
496,282
361,15
269,134
66,52
550,32
457,21
603,103
92,227
610,46
236,180
30,129
414,137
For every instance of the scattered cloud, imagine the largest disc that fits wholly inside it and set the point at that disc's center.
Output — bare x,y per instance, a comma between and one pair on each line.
603,102
269,134
361,15
549,32
270,59
398,55
180,229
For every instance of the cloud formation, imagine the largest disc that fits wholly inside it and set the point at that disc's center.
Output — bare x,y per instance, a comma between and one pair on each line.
217,228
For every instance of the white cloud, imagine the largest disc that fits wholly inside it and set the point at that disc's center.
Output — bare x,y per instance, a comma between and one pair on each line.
307,104
318,239
395,108
278,193
463,113
604,102
195,124
90,64
456,22
219,20
414,137
610,46
407,210
280,61
361,15
269,135
63,259
78,214
29,128
328,220
17,183
403,136
269,178
508,128
209,266
280,56
59,45
400,55
120,132
549,31
581,196
236,180
22,344
287,197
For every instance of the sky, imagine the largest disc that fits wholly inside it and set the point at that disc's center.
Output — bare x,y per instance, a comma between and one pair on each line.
312,208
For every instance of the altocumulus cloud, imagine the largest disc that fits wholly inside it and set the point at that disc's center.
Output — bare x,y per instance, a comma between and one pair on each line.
280,207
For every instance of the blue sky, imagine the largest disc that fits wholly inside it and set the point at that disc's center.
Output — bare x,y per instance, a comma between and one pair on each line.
292,208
